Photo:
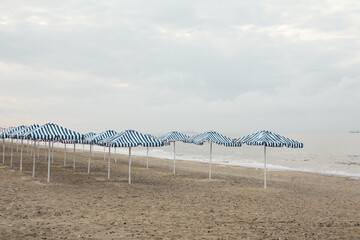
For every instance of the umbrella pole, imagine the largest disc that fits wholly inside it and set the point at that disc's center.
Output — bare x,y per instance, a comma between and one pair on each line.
104,153
11,157
4,151
65,156
147,157
84,149
109,164
89,160
22,141
129,165
27,150
48,178
33,173
52,152
38,147
210,160
264,166
174,158
74,157
115,155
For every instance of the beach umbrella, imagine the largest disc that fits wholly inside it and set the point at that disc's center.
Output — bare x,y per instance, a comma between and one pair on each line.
268,139
21,135
95,139
6,134
53,132
212,137
131,138
174,137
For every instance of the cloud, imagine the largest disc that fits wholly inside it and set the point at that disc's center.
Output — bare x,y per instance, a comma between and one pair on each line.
161,66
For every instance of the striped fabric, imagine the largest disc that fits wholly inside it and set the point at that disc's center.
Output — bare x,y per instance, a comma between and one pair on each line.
98,137
21,133
269,139
87,136
174,136
132,138
213,137
2,130
10,131
54,132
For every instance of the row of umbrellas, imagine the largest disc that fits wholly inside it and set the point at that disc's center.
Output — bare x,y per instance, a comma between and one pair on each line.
51,132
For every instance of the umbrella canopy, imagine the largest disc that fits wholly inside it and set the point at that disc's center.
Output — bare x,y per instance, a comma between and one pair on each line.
87,137
268,139
2,130
98,137
54,132
21,133
7,134
174,136
213,137
132,138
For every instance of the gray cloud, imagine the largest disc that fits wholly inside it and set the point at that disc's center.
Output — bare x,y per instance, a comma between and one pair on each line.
164,65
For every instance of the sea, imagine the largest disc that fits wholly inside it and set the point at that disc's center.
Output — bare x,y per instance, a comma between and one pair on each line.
330,154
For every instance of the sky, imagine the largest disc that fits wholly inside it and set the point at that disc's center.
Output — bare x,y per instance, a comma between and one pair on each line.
157,66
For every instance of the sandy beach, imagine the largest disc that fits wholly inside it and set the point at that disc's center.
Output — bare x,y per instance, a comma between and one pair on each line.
160,205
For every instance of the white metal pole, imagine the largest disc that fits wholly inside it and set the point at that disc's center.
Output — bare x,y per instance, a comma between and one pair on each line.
264,166
104,153
31,151
48,179
174,158
74,157
52,152
65,156
17,145
109,164
38,149
11,153
89,160
45,150
129,165
115,155
22,141
4,151
33,174
27,151
210,160
84,149
147,157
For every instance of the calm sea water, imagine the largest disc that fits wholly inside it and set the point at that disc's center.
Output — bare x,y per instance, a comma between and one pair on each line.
335,154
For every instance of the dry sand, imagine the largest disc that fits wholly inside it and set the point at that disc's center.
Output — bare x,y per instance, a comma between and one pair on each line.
160,205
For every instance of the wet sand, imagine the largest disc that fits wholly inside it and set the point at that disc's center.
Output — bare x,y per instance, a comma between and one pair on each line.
160,205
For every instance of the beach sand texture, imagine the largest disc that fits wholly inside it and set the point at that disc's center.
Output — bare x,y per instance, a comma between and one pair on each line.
160,205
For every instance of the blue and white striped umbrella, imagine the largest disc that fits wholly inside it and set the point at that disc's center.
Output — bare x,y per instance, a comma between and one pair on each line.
173,137
131,138
7,134
21,133
98,137
268,139
54,132
87,137
11,131
213,137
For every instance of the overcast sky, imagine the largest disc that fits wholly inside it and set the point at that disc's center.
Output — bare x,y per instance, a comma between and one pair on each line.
156,66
